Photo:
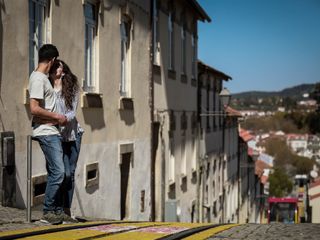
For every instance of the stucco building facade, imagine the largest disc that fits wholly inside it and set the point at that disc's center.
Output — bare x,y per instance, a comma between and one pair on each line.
175,80
106,44
158,144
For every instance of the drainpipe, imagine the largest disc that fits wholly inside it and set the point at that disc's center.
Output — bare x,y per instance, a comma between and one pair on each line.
163,172
151,106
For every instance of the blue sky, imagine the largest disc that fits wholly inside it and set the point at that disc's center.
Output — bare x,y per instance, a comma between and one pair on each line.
263,45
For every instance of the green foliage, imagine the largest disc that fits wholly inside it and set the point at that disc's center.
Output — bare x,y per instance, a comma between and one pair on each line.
280,183
293,122
315,94
297,118
313,122
284,158
270,101
280,151
279,121
302,165
289,103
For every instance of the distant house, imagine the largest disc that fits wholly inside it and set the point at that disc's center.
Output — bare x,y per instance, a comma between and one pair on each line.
279,133
266,159
308,103
297,142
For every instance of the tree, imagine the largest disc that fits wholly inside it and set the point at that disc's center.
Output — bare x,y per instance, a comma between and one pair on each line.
316,94
280,184
287,160
313,122
289,103
280,151
303,165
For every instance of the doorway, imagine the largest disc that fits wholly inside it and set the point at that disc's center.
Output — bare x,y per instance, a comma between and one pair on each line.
125,184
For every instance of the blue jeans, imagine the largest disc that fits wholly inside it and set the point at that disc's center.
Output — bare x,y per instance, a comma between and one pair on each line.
71,152
51,146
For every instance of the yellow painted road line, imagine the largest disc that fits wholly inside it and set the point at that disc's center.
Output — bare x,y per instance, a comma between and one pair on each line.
208,233
50,228
91,232
117,231
152,233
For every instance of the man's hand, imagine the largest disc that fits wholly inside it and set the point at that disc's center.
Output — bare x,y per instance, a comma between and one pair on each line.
62,120
41,113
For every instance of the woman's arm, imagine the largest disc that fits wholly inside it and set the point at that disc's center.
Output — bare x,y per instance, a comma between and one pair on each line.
71,114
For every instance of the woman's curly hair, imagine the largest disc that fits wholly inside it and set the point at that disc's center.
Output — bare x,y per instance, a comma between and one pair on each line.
70,85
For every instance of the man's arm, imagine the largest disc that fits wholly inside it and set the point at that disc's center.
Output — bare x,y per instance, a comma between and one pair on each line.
38,111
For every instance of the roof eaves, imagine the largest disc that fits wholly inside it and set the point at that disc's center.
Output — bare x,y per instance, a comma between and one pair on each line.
203,16
215,71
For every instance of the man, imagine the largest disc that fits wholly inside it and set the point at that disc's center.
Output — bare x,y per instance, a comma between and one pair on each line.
42,106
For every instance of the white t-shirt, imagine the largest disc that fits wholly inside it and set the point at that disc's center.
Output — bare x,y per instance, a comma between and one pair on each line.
40,88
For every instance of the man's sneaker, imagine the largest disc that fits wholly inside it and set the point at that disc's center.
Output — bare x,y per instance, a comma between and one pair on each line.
51,218
67,219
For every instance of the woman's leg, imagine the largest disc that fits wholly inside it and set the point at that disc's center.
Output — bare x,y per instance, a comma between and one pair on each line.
73,159
67,180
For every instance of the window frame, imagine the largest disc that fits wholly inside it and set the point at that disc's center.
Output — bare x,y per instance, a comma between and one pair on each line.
172,161
194,56
40,21
125,58
183,50
183,165
90,83
170,41
156,43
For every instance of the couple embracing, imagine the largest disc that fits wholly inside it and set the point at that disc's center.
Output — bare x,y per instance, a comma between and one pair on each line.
54,94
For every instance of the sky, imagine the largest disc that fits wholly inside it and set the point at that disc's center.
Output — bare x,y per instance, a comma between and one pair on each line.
264,45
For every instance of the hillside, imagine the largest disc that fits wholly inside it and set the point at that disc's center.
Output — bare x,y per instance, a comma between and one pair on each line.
295,92
259,100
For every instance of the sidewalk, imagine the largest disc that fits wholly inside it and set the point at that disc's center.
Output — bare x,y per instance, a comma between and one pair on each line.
13,218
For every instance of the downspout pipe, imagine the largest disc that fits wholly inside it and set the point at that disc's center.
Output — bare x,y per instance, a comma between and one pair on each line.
151,106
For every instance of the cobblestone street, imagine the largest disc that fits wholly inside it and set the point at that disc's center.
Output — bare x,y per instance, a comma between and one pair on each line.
271,231
13,218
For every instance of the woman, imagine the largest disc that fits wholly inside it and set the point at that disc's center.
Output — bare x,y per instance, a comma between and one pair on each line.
66,86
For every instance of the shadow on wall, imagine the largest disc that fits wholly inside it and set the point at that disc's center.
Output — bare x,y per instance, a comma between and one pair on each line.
2,9
127,116
20,203
94,117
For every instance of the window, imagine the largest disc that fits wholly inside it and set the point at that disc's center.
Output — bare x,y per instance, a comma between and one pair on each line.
90,47
171,41
183,157
125,30
38,29
171,161
214,107
156,44
194,155
194,57
183,50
